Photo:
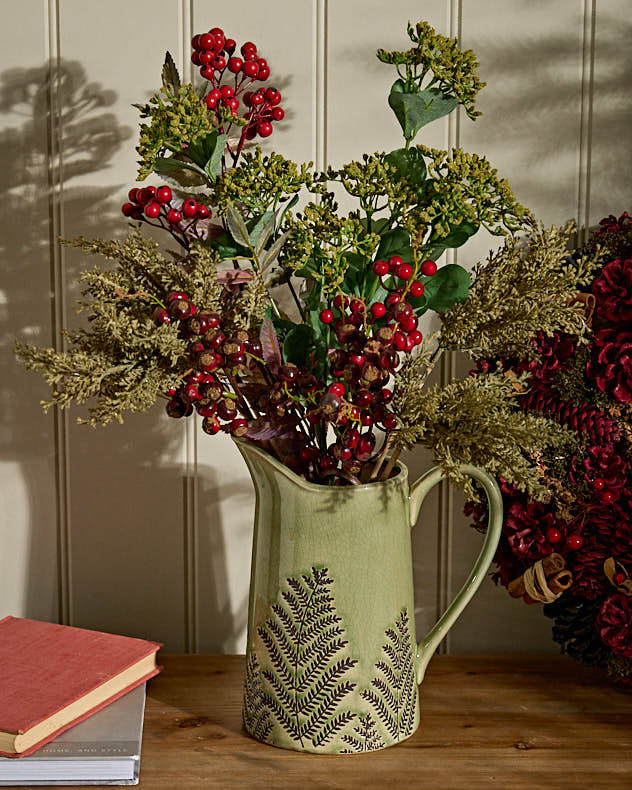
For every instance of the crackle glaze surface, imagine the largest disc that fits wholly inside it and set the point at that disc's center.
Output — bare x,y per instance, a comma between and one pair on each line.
332,657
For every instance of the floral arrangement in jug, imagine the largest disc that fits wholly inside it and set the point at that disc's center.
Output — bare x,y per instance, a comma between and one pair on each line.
580,538
298,329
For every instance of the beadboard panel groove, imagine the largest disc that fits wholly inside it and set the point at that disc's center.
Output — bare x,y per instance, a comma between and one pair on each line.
146,528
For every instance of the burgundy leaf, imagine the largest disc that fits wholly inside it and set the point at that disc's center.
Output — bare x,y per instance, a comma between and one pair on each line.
270,345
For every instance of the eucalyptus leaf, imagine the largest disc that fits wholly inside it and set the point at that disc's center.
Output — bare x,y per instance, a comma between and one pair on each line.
409,165
414,110
170,76
170,165
237,227
262,230
268,257
395,242
214,161
449,286
291,203
298,344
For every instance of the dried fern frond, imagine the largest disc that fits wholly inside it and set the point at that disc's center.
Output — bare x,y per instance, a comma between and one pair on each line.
123,360
518,292
474,421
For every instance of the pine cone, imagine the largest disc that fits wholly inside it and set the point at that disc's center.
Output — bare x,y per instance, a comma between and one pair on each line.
584,419
574,629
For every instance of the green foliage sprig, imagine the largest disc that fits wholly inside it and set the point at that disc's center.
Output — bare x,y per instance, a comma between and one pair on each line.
517,290
474,421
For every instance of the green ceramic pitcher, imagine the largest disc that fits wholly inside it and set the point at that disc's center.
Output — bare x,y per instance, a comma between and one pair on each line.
332,660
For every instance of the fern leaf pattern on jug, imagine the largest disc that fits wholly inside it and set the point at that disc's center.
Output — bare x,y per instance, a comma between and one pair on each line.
393,692
307,650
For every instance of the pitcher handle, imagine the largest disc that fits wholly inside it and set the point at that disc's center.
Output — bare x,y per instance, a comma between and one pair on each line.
418,490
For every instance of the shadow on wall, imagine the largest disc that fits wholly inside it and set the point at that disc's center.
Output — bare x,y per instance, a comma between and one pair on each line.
531,115
126,482
27,437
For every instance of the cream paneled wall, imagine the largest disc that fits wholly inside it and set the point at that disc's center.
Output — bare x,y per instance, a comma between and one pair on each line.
145,528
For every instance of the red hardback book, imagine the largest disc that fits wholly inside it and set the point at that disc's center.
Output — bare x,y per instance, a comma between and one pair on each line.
54,676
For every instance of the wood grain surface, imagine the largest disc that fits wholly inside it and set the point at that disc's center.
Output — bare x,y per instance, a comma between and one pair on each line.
511,722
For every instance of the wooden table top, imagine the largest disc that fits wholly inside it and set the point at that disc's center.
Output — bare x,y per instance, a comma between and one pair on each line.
511,722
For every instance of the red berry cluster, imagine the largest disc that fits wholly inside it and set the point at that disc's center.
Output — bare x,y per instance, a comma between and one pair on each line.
213,355
157,203
214,53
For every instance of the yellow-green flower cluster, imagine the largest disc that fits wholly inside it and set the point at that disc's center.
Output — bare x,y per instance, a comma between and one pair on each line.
464,187
178,118
322,238
259,182
453,69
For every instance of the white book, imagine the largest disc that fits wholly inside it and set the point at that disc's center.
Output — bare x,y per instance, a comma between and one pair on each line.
104,749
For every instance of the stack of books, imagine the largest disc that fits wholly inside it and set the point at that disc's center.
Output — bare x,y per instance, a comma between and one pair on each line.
71,704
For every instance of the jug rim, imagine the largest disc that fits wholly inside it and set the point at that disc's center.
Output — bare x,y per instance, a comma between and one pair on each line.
398,479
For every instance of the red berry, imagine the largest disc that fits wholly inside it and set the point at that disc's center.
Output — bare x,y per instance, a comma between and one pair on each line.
326,316
404,271
264,128
195,42
208,72
203,212
393,299
607,497
338,388
226,92
231,104
278,113
161,316
408,323
357,306
174,216
553,535
410,344
263,74
363,399
229,45
395,262
174,295
195,58
189,208
416,337
387,395
219,37
235,64
213,320
191,393
416,289
170,392
390,422
599,484
619,578
249,47
340,301
152,210
428,268
273,96
261,62
378,310
128,209
219,63
574,542
211,425
380,268
179,309
133,194
206,41
164,195
399,340
250,69
239,427
257,99
215,93
205,57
